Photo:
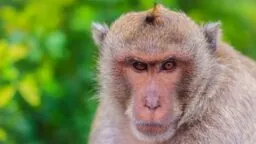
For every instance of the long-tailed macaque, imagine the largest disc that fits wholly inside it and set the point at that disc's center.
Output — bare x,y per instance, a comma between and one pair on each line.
166,80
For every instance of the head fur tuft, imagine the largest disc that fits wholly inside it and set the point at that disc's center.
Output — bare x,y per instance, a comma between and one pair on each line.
153,16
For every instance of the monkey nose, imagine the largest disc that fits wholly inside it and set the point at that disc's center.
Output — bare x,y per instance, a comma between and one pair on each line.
152,103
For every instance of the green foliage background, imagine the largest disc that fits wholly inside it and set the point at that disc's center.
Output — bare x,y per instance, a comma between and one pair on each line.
47,60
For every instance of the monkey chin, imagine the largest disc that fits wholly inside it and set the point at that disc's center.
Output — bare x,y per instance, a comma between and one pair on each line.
152,132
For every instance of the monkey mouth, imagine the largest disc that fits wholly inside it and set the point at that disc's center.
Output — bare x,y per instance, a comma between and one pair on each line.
151,128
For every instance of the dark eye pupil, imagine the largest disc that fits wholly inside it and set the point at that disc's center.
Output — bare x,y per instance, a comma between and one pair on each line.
140,66
168,65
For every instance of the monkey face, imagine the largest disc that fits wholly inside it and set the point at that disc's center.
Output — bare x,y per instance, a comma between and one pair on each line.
153,82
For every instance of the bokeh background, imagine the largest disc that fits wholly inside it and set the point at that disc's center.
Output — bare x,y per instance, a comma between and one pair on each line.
48,60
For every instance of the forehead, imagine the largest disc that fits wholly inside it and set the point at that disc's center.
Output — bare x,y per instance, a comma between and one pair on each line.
171,33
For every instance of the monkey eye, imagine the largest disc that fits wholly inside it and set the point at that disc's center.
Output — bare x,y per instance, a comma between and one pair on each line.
139,66
168,65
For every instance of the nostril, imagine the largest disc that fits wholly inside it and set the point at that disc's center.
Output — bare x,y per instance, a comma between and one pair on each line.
152,103
152,107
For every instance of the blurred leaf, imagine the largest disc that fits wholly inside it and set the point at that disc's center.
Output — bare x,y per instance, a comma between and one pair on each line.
3,53
17,37
82,18
65,2
3,135
17,52
6,94
35,53
55,44
37,14
46,79
8,15
30,91
147,3
248,9
10,73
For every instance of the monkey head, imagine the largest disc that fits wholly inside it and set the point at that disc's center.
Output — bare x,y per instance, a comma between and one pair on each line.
148,62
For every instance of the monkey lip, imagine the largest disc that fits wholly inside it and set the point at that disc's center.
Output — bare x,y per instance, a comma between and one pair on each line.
151,128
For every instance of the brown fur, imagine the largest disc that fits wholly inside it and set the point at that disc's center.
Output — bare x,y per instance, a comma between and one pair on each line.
215,101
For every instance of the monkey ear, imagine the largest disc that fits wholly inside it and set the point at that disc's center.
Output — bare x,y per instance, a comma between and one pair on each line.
212,34
99,32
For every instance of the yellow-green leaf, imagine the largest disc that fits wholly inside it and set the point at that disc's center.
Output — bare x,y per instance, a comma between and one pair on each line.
82,18
3,53
17,52
9,15
3,135
30,91
6,94
10,73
